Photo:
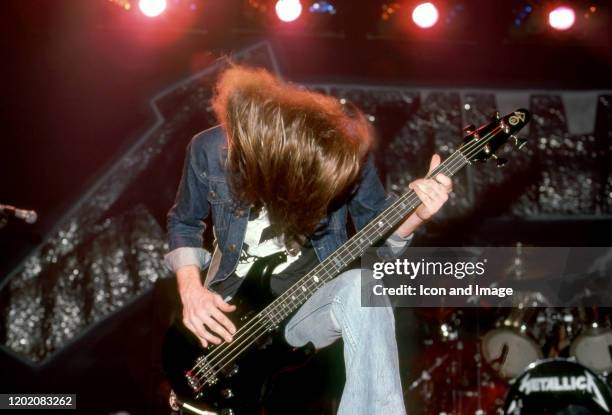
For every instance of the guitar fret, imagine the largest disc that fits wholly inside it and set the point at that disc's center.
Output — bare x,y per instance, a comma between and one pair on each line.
272,322
446,170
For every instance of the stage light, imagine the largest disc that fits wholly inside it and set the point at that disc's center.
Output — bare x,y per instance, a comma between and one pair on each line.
425,15
562,18
152,8
522,15
322,7
124,4
288,10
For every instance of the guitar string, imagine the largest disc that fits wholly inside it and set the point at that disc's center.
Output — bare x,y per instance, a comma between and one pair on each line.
308,279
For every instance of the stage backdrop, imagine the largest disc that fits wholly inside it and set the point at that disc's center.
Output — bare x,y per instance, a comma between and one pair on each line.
106,252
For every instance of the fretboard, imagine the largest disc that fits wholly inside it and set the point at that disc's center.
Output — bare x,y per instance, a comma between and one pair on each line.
354,248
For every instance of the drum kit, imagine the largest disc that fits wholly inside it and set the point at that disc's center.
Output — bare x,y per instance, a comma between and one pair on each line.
533,360
530,358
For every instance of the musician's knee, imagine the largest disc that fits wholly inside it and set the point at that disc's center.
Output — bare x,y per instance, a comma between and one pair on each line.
349,286
354,297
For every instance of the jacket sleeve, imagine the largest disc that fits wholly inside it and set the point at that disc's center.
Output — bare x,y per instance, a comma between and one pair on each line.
369,200
185,219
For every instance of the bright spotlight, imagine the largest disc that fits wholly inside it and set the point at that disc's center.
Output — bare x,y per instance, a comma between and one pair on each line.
425,15
562,18
288,10
152,8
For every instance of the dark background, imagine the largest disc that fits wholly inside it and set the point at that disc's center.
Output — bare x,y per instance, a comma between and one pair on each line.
77,78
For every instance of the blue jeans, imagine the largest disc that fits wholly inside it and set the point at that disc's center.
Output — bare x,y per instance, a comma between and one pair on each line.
373,383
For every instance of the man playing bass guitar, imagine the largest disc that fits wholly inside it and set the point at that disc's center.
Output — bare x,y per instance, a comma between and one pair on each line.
281,173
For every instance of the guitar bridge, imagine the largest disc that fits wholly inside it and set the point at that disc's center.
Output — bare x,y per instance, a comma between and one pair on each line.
200,375
193,381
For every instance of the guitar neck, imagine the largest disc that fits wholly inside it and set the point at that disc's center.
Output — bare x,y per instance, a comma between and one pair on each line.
354,248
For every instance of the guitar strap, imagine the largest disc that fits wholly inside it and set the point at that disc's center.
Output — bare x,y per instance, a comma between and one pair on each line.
215,261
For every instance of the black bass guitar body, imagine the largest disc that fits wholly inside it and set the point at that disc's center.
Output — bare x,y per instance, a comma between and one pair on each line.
242,386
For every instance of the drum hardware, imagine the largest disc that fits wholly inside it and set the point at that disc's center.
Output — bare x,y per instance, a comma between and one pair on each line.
450,331
426,374
457,382
497,363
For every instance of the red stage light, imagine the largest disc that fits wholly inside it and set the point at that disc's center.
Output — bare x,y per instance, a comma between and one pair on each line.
288,10
152,8
562,18
425,15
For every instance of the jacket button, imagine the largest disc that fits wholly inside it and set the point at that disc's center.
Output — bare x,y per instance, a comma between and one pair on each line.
232,247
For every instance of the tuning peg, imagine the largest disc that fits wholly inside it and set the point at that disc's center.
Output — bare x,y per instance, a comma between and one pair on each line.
505,127
469,129
496,115
519,142
500,161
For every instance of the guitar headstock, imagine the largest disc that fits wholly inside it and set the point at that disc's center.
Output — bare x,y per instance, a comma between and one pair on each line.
481,144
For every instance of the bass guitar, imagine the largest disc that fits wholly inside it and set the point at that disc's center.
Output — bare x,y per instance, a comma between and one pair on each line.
227,379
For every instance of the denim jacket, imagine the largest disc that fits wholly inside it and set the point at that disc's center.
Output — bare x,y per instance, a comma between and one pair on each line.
203,189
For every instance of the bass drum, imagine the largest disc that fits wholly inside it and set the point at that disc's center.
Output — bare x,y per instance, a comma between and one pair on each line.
512,346
559,387
593,348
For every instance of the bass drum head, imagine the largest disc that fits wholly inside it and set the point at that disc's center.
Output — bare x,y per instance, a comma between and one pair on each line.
593,349
509,352
559,387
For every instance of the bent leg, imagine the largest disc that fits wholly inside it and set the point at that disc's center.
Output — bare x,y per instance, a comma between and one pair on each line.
370,351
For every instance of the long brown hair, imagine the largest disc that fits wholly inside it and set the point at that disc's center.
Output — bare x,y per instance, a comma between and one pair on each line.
293,151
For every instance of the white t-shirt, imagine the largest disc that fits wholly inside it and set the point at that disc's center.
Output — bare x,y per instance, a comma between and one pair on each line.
253,246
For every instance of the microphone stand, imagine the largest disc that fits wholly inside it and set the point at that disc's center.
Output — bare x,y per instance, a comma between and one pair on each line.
6,211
